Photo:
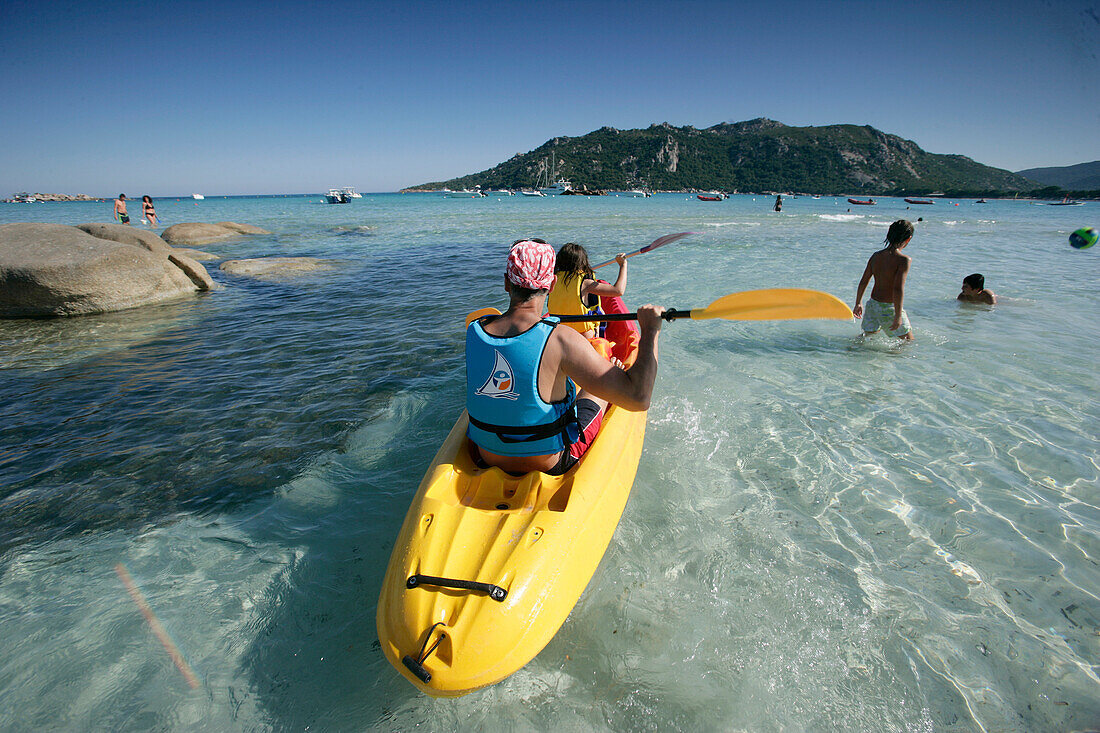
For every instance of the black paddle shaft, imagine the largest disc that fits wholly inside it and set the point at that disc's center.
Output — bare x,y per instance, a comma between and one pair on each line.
670,315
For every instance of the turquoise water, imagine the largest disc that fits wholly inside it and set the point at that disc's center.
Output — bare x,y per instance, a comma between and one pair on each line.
824,532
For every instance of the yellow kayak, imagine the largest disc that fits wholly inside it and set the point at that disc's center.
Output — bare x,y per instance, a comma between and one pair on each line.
488,566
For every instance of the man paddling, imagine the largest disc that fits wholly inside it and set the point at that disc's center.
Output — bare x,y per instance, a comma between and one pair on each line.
522,374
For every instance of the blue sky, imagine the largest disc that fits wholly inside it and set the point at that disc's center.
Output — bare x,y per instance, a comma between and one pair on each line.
275,97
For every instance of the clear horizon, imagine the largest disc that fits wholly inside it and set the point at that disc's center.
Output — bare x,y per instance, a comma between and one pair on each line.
269,98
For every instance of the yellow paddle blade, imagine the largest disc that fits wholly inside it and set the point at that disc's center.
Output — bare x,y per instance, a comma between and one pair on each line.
479,313
775,304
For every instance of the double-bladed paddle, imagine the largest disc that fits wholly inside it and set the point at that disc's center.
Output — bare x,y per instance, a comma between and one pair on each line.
775,304
659,242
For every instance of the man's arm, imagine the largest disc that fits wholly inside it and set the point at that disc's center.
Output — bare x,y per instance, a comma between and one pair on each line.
630,389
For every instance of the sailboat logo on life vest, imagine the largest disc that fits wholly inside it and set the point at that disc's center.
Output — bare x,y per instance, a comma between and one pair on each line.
500,383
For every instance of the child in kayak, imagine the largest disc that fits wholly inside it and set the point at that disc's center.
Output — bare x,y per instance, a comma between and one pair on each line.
577,291
889,267
523,372
973,290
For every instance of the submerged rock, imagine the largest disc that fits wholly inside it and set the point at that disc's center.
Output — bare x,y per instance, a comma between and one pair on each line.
276,268
200,233
242,228
57,270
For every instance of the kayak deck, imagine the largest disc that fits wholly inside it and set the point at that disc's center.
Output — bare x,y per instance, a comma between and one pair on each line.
519,549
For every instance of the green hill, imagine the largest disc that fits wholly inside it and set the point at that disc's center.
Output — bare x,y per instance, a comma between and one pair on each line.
1080,177
756,155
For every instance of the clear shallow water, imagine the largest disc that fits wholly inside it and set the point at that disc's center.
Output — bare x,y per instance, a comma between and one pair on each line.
823,533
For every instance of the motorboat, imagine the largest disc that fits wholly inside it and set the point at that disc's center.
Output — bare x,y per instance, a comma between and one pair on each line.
532,193
337,196
558,187
927,202
859,202
464,194
351,193
197,196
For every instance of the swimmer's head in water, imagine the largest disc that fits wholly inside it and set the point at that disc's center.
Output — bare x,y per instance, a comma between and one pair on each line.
975,281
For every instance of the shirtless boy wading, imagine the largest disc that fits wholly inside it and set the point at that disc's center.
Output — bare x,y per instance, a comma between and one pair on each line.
522,374
889,268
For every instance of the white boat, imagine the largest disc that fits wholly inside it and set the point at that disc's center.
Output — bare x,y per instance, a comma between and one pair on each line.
560,186
635,192
543,183
532,193
351,193
463,194
500,192
337,196
197,196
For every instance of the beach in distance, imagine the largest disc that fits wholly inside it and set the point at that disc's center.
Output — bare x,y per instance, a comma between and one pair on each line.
198,498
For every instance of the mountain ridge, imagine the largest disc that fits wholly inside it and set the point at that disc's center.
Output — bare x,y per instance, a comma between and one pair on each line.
753,155
1079,177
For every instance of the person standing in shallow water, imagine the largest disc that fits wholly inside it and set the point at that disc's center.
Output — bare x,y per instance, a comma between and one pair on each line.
889,267
120,209
148,212
778,203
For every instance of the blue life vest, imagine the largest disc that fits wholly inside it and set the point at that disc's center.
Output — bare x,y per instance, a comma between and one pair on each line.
507,415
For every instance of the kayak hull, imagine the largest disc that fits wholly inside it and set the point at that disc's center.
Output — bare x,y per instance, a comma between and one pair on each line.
536,539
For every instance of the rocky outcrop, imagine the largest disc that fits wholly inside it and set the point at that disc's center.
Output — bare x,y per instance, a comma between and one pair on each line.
24,196
124,234
55,270
200,233
276,268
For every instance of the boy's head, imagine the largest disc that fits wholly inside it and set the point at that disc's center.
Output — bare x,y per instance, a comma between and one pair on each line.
975,282
900,232
122,197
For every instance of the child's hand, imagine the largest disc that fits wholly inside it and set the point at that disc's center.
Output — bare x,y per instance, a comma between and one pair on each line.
858,310
621,258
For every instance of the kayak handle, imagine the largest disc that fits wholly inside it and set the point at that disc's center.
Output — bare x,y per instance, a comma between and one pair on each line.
493,591
416,666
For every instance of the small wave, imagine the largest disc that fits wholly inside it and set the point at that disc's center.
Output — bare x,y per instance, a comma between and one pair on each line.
732,224
840,217
951,223
355,231
879,223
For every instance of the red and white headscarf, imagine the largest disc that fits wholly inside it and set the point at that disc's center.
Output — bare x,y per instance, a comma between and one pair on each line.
531,265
